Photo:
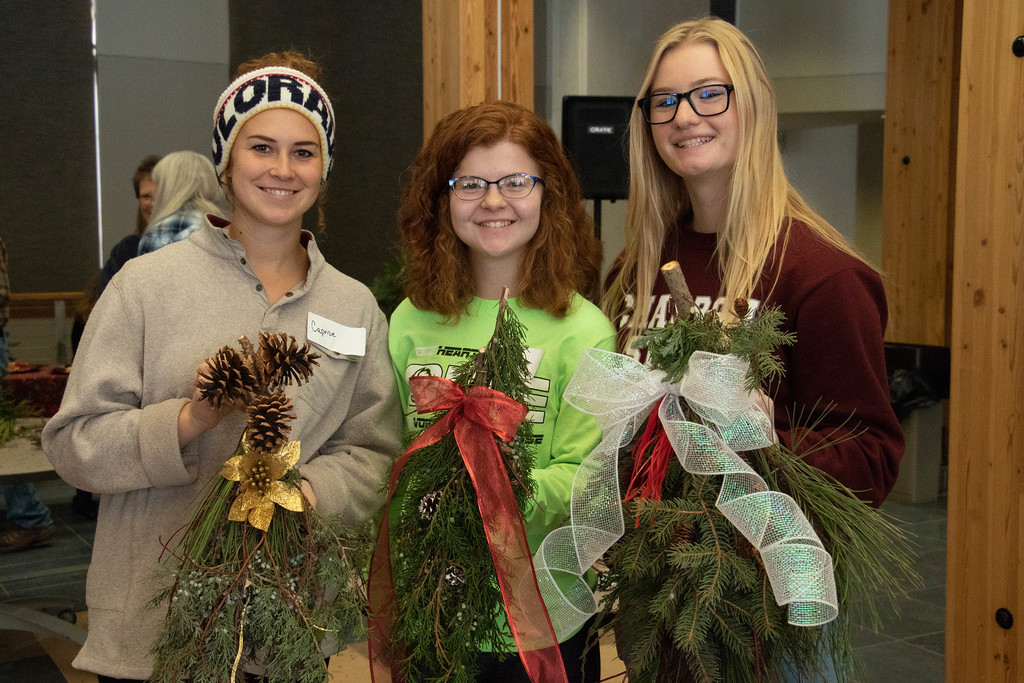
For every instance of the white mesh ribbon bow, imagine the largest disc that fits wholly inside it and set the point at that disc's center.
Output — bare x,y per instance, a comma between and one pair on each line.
620,392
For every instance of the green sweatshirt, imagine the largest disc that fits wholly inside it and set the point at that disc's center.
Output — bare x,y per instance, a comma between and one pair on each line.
420,343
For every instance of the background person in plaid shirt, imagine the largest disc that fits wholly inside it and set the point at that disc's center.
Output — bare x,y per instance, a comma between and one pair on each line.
186,190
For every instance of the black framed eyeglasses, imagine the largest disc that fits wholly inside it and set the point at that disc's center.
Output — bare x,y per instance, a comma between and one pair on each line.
707,100
514,186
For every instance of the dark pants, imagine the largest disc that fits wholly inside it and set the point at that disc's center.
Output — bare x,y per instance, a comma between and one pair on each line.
579,667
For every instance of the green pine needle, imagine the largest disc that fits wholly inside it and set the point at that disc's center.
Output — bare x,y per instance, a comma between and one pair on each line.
283,592
449,602
689,598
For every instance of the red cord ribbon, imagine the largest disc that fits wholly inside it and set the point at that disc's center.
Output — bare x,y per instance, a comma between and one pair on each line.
652,454
476,417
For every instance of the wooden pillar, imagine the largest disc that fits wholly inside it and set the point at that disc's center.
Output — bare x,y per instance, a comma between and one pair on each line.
953,205
517,51
475,51
985,550
920,100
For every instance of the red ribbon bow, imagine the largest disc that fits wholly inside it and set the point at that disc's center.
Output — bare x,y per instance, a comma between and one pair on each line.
476,417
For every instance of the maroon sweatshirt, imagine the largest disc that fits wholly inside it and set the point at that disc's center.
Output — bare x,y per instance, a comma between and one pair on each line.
836,306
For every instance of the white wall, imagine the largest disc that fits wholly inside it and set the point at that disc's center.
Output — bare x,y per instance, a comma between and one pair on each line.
46,341
821,164
813,38
161,67
601,47
827,62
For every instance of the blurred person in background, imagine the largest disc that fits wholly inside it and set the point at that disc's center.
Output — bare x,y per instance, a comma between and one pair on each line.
187,190
127,248
28,519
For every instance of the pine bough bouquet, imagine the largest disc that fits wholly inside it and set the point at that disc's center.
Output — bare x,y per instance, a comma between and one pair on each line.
721,527
247,582
461,488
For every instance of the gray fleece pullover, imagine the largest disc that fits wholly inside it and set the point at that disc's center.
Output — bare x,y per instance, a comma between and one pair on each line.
116,431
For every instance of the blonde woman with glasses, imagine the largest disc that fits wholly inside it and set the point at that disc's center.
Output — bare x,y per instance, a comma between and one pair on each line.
707,189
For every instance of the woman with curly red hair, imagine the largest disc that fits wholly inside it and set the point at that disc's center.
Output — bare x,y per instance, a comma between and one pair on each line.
492,203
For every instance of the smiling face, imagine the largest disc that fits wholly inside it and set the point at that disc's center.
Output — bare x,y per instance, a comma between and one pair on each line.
496,229
696,147
275,170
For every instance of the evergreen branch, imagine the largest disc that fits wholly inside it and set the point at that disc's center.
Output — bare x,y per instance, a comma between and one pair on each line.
445,580
738,644
809,421
726,624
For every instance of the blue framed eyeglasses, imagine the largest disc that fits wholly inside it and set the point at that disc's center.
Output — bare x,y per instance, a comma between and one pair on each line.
514,186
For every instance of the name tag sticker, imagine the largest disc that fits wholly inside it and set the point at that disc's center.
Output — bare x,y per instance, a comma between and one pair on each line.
347,341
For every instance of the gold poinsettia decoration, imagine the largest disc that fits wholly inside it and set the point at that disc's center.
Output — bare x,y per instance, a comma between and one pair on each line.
260,487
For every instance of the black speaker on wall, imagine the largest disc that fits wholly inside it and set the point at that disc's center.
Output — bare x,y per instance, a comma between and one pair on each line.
594,134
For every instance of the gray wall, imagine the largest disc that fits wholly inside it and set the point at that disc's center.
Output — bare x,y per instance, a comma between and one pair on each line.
48,169
373,61
827,61
160,68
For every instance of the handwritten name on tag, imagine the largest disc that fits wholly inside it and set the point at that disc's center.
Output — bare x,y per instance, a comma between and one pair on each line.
347,341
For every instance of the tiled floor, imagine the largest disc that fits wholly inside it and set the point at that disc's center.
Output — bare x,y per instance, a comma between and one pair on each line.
909,648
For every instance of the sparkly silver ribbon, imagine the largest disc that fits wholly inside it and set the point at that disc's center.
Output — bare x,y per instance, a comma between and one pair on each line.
620,393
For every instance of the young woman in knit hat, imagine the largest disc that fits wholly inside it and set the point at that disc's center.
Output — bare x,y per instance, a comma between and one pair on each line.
132,425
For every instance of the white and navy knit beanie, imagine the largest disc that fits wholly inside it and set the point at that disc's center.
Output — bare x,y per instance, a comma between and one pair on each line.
270,88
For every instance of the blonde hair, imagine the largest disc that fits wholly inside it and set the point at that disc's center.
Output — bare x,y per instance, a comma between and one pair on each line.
186,180
762,204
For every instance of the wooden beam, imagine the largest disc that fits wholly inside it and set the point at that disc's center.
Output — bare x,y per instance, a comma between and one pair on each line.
41,304
920,103
440,61
461,40
985,548
517,52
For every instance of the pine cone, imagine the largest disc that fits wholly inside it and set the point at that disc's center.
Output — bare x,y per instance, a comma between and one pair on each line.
227,377
429,503
682,536
283,361
268,421
745,548
741,306
454,576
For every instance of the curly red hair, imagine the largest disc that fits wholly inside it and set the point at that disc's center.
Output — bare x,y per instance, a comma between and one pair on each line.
563,257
